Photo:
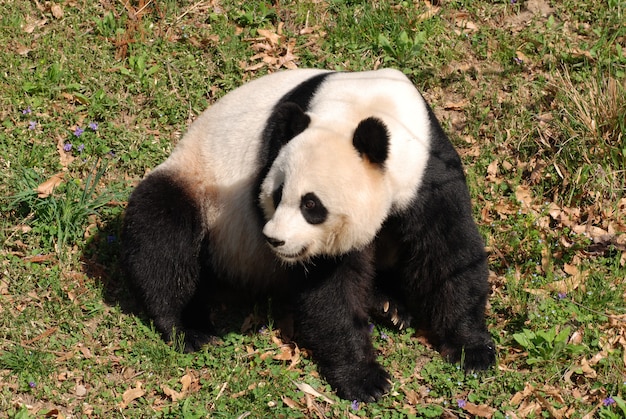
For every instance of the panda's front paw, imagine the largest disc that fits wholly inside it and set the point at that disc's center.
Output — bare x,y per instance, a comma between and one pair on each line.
390,312
472,357
193,340
366,383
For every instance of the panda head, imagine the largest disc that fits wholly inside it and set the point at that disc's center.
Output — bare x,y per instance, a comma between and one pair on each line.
326,191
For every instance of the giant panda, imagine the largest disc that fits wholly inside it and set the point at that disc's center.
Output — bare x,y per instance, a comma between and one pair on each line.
337,194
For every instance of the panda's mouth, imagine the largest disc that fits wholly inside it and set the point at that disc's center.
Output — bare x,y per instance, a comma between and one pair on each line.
291,257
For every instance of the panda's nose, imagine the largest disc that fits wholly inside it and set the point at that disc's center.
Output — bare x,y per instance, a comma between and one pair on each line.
274,242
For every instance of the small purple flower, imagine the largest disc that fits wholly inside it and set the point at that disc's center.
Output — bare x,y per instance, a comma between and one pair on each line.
608,401
67,147
80,148
370,328
78,131
26,111
518,61
354,405
32,125
93,126
263,329
461,403
561,295
111,153
32,384
383,335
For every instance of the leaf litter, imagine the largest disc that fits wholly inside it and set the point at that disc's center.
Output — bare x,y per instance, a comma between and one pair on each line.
604,225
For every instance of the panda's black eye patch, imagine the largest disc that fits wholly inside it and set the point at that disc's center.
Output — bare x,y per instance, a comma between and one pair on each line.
277,195
313,211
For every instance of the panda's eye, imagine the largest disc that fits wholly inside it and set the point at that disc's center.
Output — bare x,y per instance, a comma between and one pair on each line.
277,195
313,211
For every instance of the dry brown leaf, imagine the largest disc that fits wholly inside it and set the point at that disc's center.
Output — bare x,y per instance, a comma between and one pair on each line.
32,24
528,409
271,36
598,357
132,394
482,411
80,390
429,13
172,394
65,157
521,395
456,106
186,381
290,402
539,7
46,188
412,397
587,370
523,195
466,26
57,11
566,285
41,336
253,67
22,49
308,390
576,338
521,57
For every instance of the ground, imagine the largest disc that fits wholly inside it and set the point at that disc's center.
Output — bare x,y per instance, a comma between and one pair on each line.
95,94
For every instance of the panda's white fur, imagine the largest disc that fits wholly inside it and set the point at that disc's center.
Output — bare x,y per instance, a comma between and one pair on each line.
322,158
219,156
339,191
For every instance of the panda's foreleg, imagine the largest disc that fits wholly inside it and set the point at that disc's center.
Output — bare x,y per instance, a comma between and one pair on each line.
161,241
332,322
443,276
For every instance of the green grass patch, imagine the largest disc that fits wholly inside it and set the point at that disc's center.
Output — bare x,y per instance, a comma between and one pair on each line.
95,94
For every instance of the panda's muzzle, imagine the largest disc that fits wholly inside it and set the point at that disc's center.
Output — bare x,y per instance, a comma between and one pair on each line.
274,242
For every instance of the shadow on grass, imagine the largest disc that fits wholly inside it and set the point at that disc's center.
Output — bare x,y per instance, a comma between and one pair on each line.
230,313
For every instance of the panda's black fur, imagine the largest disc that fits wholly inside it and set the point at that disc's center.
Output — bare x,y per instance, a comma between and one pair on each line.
425,267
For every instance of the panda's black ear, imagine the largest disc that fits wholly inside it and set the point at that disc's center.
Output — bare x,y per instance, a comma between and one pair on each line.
371,139
287,121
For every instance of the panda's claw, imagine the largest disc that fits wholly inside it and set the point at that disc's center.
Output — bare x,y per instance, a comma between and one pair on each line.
367,386
386,306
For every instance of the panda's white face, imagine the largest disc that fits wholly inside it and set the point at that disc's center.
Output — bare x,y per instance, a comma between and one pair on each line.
321,197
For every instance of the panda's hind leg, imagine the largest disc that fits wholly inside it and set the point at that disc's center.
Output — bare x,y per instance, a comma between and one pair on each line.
161,242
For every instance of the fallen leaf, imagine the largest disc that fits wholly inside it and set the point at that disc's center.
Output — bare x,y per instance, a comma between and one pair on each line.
45,189
32,24
456,106
172,394
57,11
521,395
523,195
290,402
430,12
65,157
21,49
273,37
186,381
307,389
482,411
521,57
132,394
41,336
80,390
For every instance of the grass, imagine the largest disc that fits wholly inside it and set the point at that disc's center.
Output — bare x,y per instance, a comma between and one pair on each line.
532,93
